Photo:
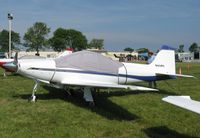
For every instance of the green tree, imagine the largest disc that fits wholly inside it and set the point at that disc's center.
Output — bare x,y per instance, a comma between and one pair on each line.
36,36
59,42
129,49
194,47
63,38
142,50
96,43
15,39
181,48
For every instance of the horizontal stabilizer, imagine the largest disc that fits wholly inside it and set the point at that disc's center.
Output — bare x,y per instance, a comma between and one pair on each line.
186,76
184,102
106,85
174,75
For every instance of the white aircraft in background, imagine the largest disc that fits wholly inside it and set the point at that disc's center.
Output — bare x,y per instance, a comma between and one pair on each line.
92,70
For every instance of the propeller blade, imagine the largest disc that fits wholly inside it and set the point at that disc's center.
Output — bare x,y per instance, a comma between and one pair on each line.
16,58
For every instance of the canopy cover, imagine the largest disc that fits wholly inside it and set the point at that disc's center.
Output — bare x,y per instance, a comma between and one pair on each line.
89,61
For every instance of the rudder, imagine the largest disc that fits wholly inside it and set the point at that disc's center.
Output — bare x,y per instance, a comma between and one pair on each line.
164,62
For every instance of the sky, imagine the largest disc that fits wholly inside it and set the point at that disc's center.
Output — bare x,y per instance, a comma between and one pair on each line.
121,23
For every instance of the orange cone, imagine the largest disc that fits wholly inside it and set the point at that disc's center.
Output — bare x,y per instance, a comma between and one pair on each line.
180,70
188,68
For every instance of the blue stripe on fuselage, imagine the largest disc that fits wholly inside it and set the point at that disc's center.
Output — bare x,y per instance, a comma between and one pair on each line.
143,78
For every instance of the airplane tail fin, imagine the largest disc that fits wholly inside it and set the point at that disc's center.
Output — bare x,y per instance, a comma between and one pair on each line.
164,62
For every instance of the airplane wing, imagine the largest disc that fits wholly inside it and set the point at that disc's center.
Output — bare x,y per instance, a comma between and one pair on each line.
106,85
184,102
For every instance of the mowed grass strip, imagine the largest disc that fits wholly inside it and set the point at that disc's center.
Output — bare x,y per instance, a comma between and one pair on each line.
118,113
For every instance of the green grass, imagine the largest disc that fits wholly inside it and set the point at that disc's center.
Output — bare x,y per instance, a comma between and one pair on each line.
119,113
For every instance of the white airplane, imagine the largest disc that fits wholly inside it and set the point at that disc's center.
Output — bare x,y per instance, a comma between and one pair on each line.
92,70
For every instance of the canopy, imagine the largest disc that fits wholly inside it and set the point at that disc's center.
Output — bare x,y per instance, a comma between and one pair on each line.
90,61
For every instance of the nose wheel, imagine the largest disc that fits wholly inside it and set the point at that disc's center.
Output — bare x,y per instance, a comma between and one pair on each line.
33,97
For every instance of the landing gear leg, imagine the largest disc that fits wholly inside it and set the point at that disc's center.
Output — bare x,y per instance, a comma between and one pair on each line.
68,91
33,97
4,74
150,84
88,96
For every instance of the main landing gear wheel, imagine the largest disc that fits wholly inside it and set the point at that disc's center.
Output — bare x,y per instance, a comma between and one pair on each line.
91,104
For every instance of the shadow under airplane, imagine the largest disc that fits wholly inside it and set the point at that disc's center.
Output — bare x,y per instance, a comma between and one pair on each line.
103,107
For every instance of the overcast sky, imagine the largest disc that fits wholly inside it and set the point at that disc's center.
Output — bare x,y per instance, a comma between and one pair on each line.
121,23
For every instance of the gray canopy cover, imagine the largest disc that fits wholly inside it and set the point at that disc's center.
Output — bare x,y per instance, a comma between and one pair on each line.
89,61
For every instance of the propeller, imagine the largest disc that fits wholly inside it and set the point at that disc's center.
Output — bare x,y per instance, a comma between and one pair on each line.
16,59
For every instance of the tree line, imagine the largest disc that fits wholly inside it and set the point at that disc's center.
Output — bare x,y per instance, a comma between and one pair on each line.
194,47
36,38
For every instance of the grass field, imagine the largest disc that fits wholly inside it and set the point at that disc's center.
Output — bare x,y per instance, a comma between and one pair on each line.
119,113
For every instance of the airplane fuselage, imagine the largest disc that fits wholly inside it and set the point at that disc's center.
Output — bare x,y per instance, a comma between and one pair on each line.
46,70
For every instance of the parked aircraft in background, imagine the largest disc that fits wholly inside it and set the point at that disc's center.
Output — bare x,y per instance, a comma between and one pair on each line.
92,70
5,61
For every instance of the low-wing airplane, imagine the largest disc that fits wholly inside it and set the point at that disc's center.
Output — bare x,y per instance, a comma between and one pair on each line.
92,70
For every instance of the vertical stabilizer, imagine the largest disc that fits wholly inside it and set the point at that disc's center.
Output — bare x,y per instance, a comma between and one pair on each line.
164,62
